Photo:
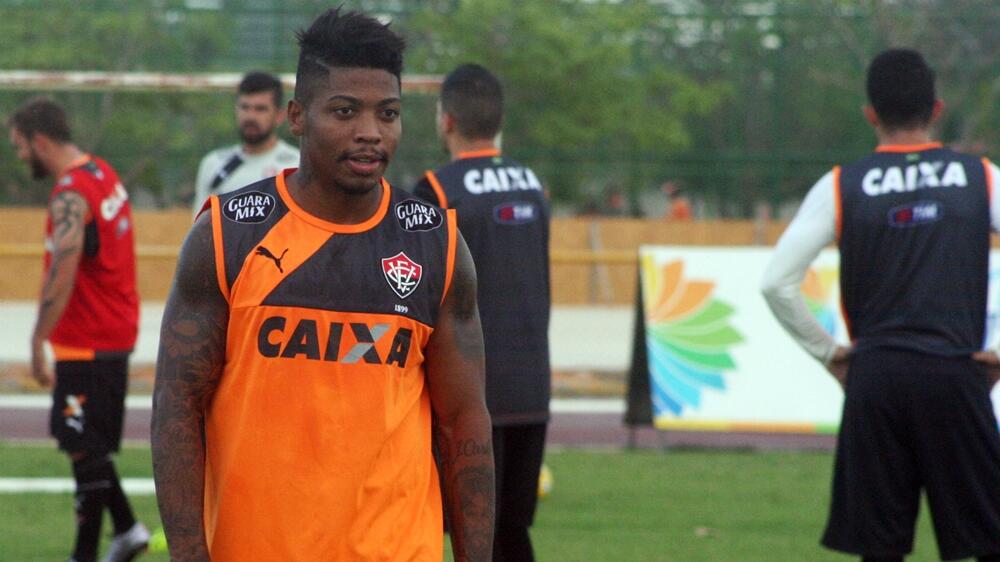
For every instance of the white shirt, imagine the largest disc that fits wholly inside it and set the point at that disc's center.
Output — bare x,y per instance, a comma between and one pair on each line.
254,168
812,229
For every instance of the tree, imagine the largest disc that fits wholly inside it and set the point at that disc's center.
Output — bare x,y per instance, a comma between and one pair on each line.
744,101
585,91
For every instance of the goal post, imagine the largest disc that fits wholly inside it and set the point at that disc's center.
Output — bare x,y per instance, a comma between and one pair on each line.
94,81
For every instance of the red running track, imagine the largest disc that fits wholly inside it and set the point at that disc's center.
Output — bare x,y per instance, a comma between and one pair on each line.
588,430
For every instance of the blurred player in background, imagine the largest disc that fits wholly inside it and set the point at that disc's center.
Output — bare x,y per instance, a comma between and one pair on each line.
678,205
260,154
912,222
320,321
89,313
504,216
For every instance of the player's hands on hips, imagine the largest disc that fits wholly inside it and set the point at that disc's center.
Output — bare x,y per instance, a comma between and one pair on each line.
991,365
39,368
838,364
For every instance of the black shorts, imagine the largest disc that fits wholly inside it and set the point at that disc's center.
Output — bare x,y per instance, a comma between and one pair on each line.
913,422
517,457
88,405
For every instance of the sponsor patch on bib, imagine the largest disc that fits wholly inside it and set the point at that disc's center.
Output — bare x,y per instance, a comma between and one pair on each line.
416,216
249,208
517,212
915,214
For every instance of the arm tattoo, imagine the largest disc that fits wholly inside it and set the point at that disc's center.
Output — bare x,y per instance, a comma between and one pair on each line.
189,366
50,293
463,295
462,424
467,467
66,212
464,308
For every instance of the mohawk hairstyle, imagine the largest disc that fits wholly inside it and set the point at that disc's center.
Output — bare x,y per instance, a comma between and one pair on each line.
474,97
900,87
351,40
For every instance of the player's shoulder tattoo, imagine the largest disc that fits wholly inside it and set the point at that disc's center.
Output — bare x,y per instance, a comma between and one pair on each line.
462,293
68,210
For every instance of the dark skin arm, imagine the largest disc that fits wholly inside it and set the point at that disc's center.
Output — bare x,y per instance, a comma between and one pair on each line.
188,369
69,212
455,369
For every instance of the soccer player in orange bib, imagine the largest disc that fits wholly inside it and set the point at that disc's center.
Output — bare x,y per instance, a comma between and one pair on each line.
89,313
321,327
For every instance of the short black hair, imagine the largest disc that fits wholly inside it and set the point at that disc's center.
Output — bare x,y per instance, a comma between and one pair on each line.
257,82
474,97
41,115
351,40
900,88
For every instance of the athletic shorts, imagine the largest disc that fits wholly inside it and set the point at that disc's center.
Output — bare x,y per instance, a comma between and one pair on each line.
517,457
913,422
88,405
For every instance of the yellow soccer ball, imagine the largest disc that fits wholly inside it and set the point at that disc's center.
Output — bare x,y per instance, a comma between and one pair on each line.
158,541
545,482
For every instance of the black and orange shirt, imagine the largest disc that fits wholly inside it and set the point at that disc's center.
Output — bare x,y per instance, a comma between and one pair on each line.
914,238
318,440
912,223
503,214
101,318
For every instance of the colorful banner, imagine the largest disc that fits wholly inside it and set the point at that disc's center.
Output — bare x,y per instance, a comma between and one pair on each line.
718,360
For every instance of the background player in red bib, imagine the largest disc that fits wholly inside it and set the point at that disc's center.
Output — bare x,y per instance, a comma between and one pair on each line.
89,312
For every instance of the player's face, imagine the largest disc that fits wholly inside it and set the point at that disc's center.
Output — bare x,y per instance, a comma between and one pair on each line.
350,128
257,117
26,153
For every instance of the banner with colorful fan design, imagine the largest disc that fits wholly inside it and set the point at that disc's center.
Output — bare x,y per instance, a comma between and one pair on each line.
717,358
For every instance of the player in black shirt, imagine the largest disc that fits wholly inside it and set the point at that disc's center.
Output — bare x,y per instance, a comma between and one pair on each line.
912,222
503,214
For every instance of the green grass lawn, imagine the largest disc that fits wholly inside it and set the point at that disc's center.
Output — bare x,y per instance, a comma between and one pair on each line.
605,506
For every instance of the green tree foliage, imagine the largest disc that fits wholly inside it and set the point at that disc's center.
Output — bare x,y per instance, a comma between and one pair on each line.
583,82
145,135
742,101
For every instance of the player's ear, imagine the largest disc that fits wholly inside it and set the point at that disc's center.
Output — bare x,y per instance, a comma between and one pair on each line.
447,122
296,117
870,115
40,143
938,110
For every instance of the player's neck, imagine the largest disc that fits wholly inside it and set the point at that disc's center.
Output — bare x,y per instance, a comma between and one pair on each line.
904,137
63,158
327,201
458,146
261,148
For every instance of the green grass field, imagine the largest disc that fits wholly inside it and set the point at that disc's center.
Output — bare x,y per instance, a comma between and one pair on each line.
605,506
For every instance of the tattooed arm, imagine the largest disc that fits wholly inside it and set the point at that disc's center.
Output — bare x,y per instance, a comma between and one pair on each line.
191,356
68,212
456,379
